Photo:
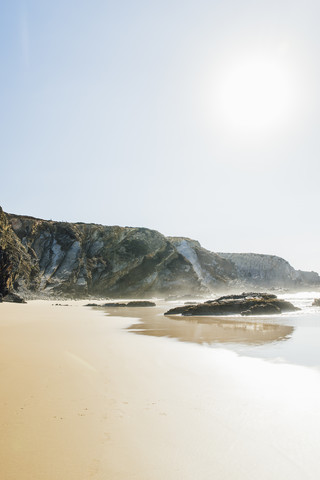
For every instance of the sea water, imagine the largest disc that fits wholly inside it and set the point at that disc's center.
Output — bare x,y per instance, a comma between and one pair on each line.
302,345
287,338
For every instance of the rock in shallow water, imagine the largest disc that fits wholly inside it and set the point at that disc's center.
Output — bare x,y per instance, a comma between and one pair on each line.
262,309
135,303
244,304
112,304
141,303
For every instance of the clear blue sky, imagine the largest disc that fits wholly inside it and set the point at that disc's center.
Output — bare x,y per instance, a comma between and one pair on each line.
141,114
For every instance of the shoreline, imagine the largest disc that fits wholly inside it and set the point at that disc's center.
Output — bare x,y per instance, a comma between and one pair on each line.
42,296
83,398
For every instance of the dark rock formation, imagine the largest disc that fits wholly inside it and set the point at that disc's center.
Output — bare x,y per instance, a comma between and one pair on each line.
87,259
13,298
244,304
139,303
136,303
59,259
262,308
18,265
316,302
112,304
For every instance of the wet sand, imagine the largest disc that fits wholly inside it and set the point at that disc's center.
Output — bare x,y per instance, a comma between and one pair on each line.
206,330
84,398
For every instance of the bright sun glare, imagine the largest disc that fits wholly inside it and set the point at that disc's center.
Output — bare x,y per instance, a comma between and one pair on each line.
256,95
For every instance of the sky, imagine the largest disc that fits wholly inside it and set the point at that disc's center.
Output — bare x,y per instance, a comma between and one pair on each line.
194,118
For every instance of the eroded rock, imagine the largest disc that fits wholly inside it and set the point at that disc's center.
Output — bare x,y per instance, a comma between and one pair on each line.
78,260
113,304
141,303
134,303
244,304
13,298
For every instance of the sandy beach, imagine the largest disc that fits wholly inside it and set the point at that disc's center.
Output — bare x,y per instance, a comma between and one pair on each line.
84,398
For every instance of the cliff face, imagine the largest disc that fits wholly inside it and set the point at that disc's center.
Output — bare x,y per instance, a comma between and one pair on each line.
242,270
213,271
18,267
78,259
254,269
81,259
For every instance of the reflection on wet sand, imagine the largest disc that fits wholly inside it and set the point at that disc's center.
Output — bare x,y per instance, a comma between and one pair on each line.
204,330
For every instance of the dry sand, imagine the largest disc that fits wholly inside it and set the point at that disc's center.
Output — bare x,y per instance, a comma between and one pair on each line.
81,398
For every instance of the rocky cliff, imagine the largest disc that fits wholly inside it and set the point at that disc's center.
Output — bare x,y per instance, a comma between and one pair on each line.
213,271
254,270
18,267
78,259
242,270
87,259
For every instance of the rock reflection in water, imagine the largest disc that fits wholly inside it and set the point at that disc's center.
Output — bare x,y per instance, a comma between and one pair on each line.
205,330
